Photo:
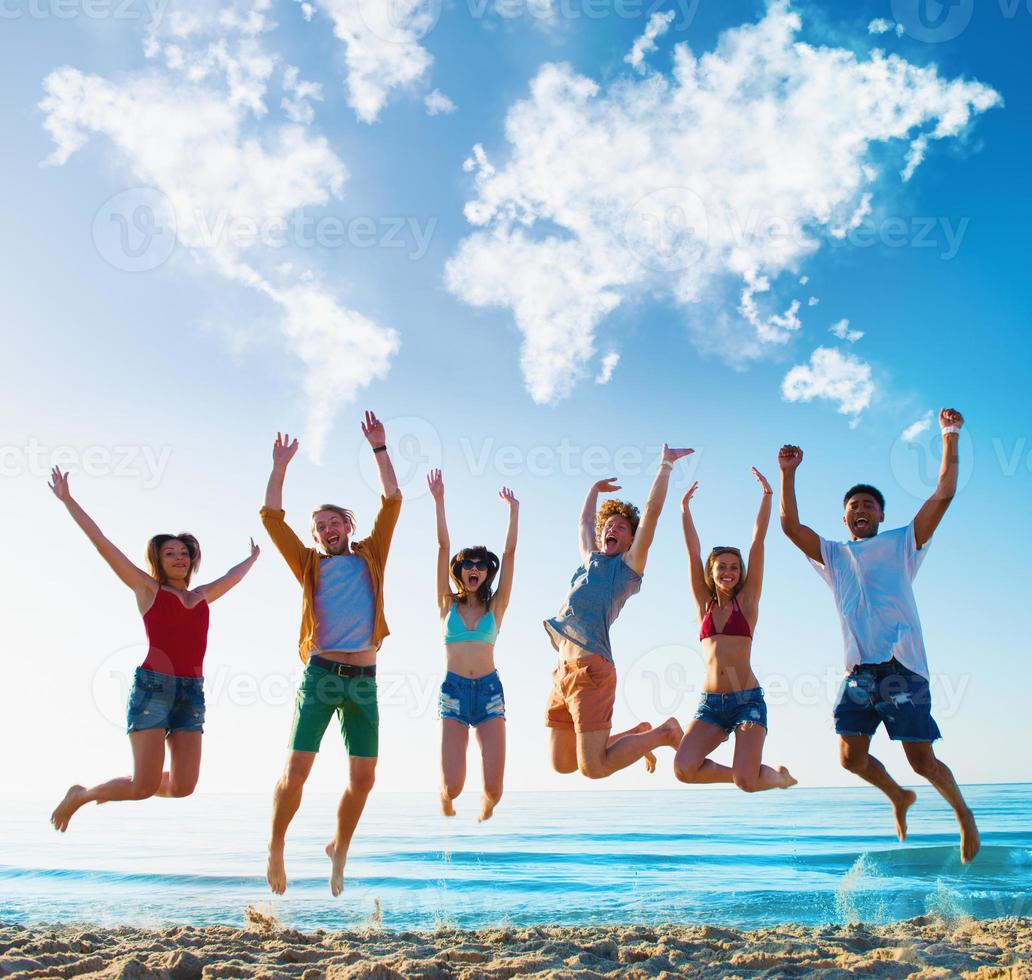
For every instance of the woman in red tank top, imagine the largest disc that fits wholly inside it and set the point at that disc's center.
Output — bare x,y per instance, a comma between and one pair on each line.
728,603
167,697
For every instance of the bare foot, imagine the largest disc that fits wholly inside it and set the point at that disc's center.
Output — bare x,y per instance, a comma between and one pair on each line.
969,839
276,874
73,799
672,732
337,856
900,812
446,805
487,805
787,779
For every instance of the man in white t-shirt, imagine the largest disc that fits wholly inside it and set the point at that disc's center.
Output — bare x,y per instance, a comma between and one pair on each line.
871,577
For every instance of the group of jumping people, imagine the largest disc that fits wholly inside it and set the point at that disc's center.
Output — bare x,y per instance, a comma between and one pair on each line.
343,626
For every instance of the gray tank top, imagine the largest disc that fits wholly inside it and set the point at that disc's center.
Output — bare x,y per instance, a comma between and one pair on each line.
598,591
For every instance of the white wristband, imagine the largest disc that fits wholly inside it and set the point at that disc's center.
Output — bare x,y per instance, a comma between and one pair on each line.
951,430
667,462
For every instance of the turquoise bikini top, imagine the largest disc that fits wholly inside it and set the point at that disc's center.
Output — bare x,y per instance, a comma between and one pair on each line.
455,630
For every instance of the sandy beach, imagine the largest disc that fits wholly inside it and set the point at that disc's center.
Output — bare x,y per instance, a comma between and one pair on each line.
923,947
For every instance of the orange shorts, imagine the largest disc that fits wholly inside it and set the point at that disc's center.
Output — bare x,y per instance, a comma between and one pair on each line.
583,694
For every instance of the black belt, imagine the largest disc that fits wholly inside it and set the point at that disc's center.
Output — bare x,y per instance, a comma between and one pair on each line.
341,670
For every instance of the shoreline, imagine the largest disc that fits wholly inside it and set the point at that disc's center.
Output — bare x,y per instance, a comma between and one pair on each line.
926,946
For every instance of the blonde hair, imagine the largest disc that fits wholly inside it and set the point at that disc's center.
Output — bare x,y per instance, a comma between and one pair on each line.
612,508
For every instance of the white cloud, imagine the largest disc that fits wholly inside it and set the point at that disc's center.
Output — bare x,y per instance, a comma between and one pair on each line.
437,103
295,103
880,26
657,26
220,163
842,331
923,424
812,301
382,52
609,363
833,376
712,180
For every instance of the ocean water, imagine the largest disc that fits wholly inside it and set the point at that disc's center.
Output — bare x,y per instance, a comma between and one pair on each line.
701,855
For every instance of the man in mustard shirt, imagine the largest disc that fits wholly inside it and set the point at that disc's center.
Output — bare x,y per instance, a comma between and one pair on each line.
342,627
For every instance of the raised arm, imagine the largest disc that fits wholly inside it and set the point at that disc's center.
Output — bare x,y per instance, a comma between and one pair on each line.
754,579
444,593
218,588
803,537
505,573
588,515
287,542
933,509
136,578
696,571
283,451
638,553
373,430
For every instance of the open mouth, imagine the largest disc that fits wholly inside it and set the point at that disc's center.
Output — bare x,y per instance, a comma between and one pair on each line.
333,540
861,524
611,541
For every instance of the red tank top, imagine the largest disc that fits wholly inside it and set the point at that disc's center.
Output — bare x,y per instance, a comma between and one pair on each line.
177,636
736,625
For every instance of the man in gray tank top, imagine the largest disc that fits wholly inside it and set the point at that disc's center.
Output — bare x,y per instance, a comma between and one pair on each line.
614,547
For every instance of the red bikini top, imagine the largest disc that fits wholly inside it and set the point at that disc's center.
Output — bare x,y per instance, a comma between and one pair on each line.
736,625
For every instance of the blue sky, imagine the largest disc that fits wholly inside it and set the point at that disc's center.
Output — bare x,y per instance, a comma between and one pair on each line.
189,363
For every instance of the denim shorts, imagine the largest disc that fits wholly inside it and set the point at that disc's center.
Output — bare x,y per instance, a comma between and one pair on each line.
889,692
471,700
728,711
175,704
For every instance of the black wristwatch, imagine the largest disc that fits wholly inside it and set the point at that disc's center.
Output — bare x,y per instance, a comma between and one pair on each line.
379,449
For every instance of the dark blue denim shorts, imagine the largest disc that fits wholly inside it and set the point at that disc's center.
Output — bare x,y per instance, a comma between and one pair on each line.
728,711
175,704
471,700
889,692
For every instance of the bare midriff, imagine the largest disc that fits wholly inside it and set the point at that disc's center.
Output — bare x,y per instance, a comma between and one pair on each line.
727,664
568,650
358,658
470,659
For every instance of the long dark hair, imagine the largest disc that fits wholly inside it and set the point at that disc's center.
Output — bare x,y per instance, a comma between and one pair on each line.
479,553
155,545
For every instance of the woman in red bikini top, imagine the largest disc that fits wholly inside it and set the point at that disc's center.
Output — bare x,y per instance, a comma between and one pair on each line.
167,697
732,701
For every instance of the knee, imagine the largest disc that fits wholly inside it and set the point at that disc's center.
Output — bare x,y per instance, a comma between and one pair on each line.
684,772
853,760
593,770
452,790
293,778
362,782
747,784
145,789
564,766
924,765
179,790
493,791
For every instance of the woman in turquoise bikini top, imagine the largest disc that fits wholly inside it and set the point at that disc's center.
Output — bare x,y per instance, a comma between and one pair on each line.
471,615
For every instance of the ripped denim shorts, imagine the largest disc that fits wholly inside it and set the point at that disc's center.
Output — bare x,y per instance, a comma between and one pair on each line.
471,700
728,711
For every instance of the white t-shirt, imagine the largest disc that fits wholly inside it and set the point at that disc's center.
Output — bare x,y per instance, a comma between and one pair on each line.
871,580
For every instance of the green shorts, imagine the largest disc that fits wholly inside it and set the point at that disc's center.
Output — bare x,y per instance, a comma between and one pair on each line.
321,694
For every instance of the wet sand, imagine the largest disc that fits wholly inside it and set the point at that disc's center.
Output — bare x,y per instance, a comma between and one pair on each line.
924,947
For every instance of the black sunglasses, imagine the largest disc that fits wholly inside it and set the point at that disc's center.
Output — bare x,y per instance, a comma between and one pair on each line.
478,563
